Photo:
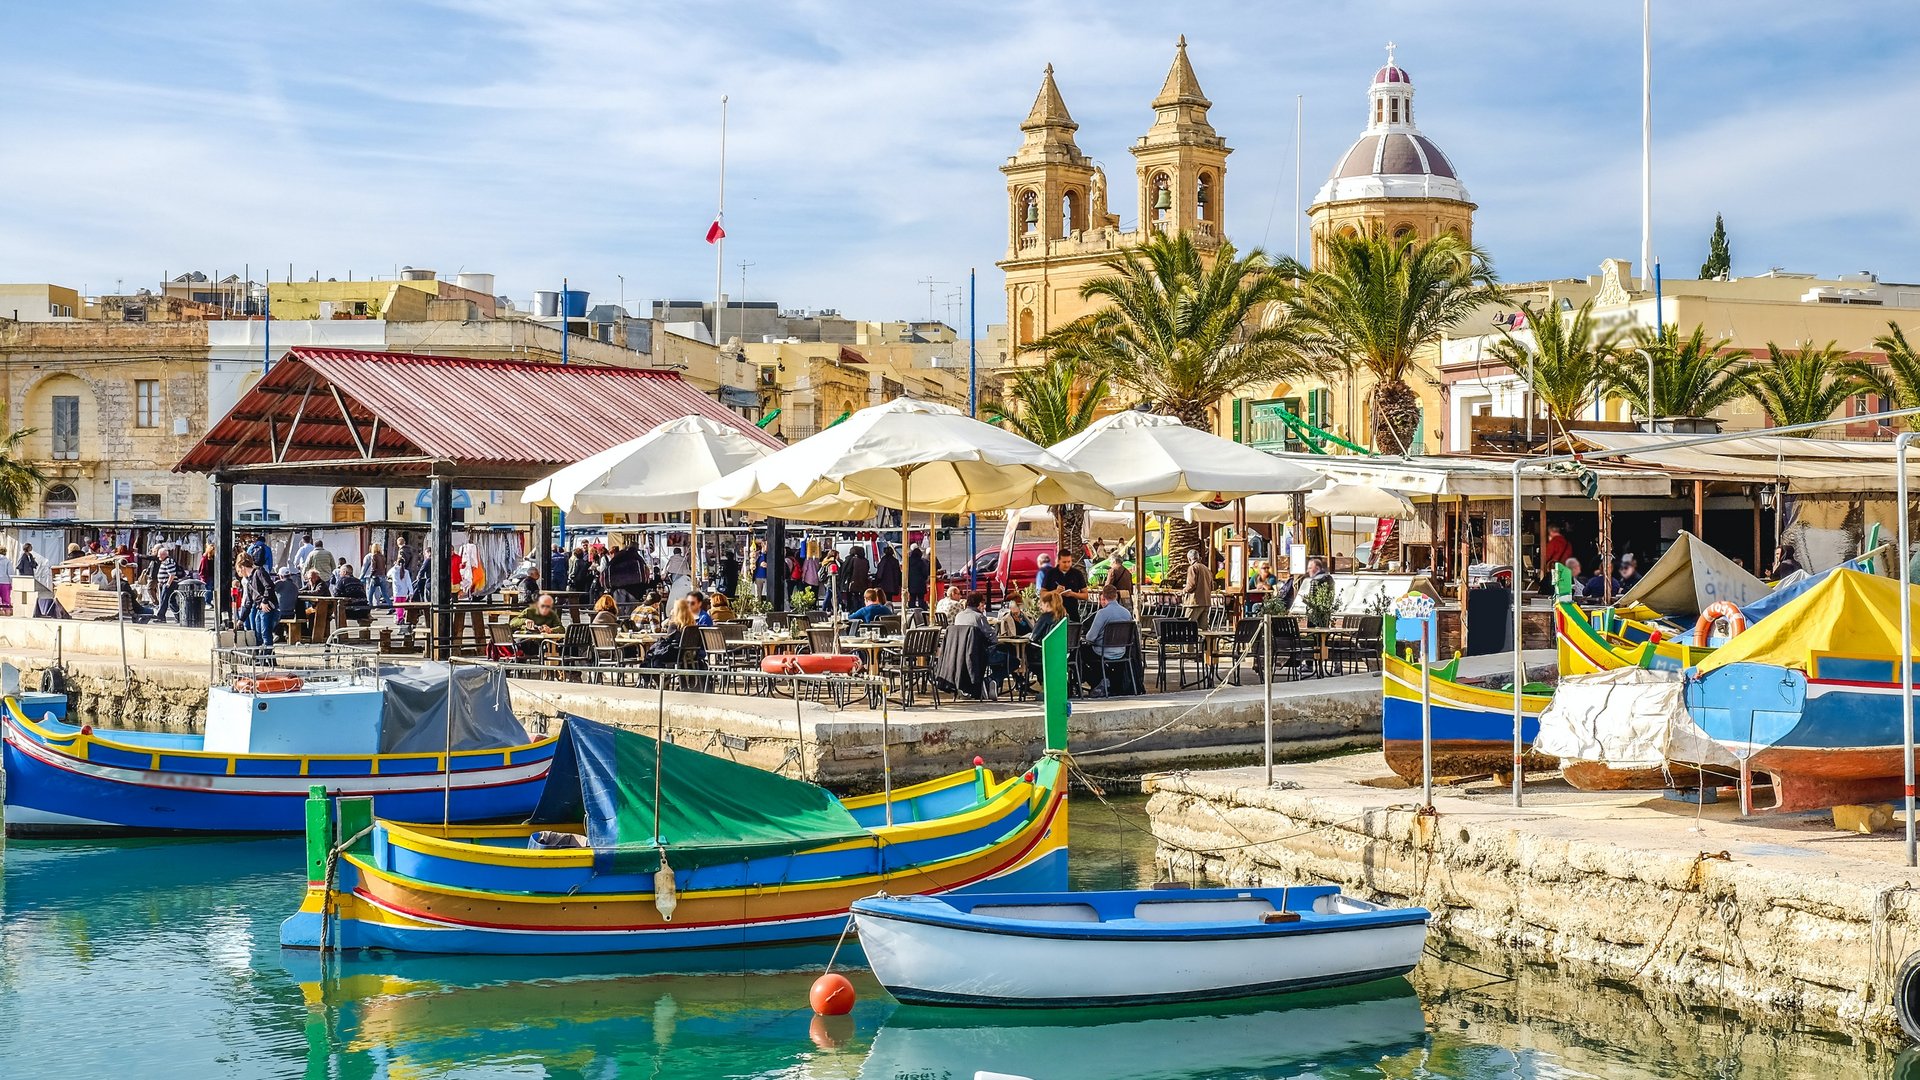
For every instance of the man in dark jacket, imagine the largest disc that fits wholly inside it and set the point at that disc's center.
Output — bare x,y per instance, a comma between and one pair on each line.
917,577
888,577
967,654
855,577
729,571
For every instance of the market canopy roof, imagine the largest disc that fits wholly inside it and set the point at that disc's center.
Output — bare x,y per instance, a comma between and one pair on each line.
339,415
1476,477
1804,465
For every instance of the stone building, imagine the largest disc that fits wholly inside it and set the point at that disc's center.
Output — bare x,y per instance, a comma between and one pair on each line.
1061,228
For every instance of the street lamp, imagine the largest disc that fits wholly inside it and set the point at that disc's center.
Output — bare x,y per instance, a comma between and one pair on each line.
1648,357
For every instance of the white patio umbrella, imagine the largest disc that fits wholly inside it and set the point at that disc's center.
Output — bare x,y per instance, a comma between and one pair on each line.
1148,457
1359,500
662,472
912,456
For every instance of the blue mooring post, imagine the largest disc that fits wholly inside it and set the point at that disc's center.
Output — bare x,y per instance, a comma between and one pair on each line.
1659,313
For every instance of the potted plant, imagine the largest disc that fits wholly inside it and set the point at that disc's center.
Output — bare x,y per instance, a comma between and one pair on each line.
802,599
1320,602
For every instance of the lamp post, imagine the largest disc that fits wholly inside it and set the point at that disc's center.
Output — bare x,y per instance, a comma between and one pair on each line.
1648,357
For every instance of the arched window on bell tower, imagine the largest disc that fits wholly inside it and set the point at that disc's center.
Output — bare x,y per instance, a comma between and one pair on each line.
1203,197
1030,213
1072,214
1162,205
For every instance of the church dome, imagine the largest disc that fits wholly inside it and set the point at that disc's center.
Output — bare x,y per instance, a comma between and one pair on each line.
1391,159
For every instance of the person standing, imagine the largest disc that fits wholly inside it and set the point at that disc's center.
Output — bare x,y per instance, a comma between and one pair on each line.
916,578
1556,552
373,572
887,578
855,576
729,570
317,557
1199,588
300,556
257,600
400,586
166,575
760,569
6,581
1066,580
1783,563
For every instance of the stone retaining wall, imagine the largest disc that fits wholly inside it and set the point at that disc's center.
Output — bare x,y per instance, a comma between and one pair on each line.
1730,932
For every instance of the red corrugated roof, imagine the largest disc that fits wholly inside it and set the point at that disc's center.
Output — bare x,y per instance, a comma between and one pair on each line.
507,415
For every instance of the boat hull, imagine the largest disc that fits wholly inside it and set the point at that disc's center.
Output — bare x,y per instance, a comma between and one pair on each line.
82,784
1472,725
1583,649
368,907
1015,962
1829,736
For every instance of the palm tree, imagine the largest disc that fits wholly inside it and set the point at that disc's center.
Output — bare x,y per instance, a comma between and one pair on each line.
1058,399
1899,379
1567,362
1182,331
1377,302
18,479
1804,385
1692,376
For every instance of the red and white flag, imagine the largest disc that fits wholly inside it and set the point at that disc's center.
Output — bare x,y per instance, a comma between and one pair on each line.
715,233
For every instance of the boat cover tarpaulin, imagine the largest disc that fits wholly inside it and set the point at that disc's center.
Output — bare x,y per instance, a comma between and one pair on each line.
1800,581
711,810
415,713
1847,613
1629,718
1689,578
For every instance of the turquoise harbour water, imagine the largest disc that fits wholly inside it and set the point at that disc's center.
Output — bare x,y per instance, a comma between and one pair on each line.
133,960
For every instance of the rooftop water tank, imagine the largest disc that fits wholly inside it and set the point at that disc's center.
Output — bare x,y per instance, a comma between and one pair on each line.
546,305
408,273
480,283
576,303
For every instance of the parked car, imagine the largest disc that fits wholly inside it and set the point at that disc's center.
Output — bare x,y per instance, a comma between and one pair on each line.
982,572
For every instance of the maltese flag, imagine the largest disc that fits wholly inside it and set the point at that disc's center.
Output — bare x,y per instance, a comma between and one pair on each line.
715,233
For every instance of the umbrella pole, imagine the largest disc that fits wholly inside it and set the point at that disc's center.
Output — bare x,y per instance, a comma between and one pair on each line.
906,585
933,563
693,547
1139,551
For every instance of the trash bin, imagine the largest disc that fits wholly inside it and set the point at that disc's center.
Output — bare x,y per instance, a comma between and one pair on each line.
193,603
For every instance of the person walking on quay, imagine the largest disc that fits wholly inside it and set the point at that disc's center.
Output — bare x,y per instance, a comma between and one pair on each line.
258,602
1556,552
167,573
373,571
579,574
887,578
856,576
729,570
400,586
916,578
299,556
6,582
1199,588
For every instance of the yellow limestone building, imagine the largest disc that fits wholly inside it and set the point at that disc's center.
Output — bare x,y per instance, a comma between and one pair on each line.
1060,226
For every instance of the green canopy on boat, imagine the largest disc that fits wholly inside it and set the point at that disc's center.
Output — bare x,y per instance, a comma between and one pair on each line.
711,810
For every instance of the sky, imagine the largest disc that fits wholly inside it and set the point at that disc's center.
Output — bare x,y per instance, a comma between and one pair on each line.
581,139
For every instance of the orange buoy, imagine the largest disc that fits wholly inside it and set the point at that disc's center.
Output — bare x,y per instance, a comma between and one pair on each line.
832,995
1716,611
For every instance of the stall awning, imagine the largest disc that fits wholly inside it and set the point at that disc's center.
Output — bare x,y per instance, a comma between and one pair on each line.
1803,465
1476,478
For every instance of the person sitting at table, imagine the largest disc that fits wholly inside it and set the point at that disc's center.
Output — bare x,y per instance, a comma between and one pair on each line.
351,591
698,600
874,608
286,601
722,610
970,661
606,612
951,604
538,618
1053,611
665,653
1095,655
1014,622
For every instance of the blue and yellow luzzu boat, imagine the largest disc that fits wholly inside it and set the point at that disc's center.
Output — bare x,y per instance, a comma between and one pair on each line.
1472,725
1609,639
268,741
641,846
1811,695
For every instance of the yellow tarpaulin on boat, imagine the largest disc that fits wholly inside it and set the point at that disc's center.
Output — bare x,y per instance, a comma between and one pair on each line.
1848,612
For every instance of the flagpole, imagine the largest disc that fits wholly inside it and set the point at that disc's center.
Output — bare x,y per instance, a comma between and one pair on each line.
719,265
1646,143
1298,101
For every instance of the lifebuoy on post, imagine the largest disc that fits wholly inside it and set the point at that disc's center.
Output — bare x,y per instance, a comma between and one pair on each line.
1719,609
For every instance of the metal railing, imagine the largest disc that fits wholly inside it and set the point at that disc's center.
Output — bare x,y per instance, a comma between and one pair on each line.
344,664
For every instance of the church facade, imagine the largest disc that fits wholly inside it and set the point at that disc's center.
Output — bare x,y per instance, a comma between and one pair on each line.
1061,227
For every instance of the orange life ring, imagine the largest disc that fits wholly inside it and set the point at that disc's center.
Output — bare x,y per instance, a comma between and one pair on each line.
811,664
1719,609
268,684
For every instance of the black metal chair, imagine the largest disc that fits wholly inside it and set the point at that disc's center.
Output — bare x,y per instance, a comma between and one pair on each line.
1246,639
576,649
1181,644
822,640
1359,651
890,625
913,666
1129,669
690,665
607,652
1291,652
